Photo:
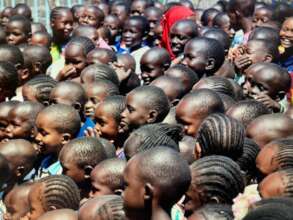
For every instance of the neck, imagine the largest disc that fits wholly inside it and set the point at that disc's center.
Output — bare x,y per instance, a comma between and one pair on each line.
246,24
58,40
160,214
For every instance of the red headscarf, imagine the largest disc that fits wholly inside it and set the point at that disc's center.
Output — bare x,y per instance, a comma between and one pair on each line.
173,15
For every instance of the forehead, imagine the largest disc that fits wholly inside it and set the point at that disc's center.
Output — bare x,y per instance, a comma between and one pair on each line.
288,23
151,58
256,44
133,23
15,24
181,26
111,19
196,48
64,15
136,99
73,50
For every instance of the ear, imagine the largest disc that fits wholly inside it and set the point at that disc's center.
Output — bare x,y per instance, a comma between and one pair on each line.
211,64
148,192
20,171
65,138
77,106
25,74
197,151
214,199
268,58
87,171
37,66
280,95
175,102
118,192
52,208
152,117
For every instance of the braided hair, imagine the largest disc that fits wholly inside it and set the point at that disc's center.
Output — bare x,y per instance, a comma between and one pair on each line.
221,135
61,192
57,12
112,210
218,177
284,156
86,43
214,211
42,86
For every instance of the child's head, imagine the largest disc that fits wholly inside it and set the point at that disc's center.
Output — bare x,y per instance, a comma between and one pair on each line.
22,120
104,6
108,116
107,177
56,125
60,214
213,211
285,33
41,39
247,110
184,74
134,30
77,12
194,107
5,108
265,33
23,10
262,16
144,105
267,78
38,27
220,35
153,15
101,56
153,64
86,31
16,202
121,10
7,13
38,89
115,26
8,80
18,30
92,15
215,179
222,21
208,16
37,59
61,20
96,92
2,35
180,33
138,7
154,179
79,157
203,55
51,193
104,34
21,156
269,127
127,61
69,93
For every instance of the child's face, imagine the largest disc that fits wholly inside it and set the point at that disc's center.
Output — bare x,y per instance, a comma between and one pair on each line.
4,121
255,51
153,17
75,57
261,16
134,190
5,15
35,201
120,12
132,33
15,34
136,112
100,186
113,25
151,68
106,125
225,25
63,25
286,33
29,94
138,7
179,35
89,17
48,138
186,116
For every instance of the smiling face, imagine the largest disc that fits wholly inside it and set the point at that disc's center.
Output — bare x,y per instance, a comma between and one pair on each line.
261,16
62,25
132,33
91,16
15,33
286,33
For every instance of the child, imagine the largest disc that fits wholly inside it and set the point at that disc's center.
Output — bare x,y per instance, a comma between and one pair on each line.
107,177
69,93
286,42
153,64
181,32
113,23
86,31
38,27
149,176
59,214
78,158
204,56
247,110
265,33
220,135
262,16
210,211
222,21
96,92
190,111
92,16
144,105
120,10
138,7
268,83
23,10
50,193
102,56
104,37
41,39
21,156
56,125
22,120
215,179
219,35
18,30
153,15
16,202
208,16
77,12
8,81
38,89
7,13
5,107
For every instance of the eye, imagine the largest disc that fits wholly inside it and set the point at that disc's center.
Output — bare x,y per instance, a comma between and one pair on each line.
130,109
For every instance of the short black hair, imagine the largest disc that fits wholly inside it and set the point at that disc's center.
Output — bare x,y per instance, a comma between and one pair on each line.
11,53
167,170
87,151
220,35
24,10
145,26
29,110
228,101
246,7
25,23
220,135
269,46
86,43
8,77
46,35
2,36
218,178
103,52
207,15
265,33
110,88
117,104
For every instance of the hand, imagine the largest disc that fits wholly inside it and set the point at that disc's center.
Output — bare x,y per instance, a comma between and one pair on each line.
91,132
121,72
236,52
242,62
269,102
68,72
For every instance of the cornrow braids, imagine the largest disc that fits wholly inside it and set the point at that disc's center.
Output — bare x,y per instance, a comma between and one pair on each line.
86,43
57,12
285,153
61,192
215,211
42,86
112,210
221,135
218,177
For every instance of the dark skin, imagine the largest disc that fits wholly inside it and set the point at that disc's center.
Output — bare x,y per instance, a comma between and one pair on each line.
286,36
6,14
138,7
225,25
153,15
4,122
59,214
40,39
98,56
132,33
62,27
261,16
113,23
91,16
15,33
120,11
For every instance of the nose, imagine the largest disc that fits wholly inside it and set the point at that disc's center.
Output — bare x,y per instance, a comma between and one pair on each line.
184,61
174,40
38,137
124,113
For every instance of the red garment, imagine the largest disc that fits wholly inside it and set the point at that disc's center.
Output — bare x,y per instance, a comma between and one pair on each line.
173,15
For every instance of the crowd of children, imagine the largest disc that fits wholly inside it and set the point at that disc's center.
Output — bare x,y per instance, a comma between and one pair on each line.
135,110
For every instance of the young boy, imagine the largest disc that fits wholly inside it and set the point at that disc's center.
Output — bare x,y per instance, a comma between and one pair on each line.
101,55
56,126
78,158
41,39
113,23
107,177
149,178
92,16
194,107
153,64
18,30
5,107
8,81
144,105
